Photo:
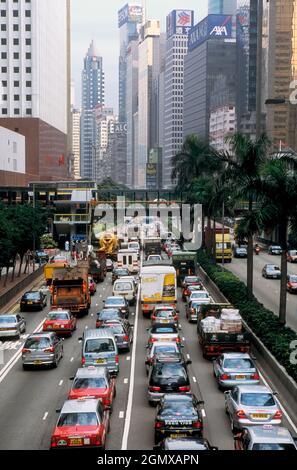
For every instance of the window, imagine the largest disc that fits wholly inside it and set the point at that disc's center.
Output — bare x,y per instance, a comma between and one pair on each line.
16,83
4,83
28,42
4,69
14,147
28,84
3,55
16,97
16,42
28,55
15,27
3,13
28,111
4,97
27,13
28,97
16,69
3,27
15,13
4,111
3,42
28,69
16,55
28,27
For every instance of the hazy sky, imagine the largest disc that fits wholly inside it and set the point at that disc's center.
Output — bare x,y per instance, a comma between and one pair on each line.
97,19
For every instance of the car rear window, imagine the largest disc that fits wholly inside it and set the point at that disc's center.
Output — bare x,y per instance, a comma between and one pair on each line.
123,286
109,315
115,301
37,343
165,329
99,345
164,313
116,329
78,419
273,446
179,409
8,320
32,295
168,348
99,382
239,363
58,316
170,371
200,295
257,399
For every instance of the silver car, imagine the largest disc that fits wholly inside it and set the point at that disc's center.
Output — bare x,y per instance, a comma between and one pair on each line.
232,369
42,349
158,348
249,405
265,437
163,332
12,325
122,331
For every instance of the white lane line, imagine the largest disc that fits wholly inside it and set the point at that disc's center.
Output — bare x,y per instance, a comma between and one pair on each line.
194,379
7,368
121,414
133,313
184,339
92,314
132,377
86,327
72,359
45,416
281,406
128,358
188,356
126,381
203,413
61,383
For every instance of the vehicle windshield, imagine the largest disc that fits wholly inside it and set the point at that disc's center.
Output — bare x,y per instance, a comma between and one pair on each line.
199,295
121,272
276,247
238,363
241,250
32,295
99,382
293,278
58,316
164,314
169,371
37,343
123,286
115,301
7,319
257,399
178,409
167,348
163,329
273,446
154,257
189,280
292,252
116,329
78,419
134,245
99,345
109,315
273,268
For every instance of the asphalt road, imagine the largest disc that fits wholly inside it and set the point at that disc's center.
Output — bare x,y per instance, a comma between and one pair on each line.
29,399
267,290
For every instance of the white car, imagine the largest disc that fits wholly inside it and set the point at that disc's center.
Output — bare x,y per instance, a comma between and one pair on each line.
154,258
125,288
200,296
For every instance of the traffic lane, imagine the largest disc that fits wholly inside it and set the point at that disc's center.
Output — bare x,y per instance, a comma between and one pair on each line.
29,398
267,291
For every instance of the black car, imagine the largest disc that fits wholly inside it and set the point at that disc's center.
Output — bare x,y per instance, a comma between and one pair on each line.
240,252
185,444
119,303
119,272
274,250
33,300
108,314
271,271
167,375
178,415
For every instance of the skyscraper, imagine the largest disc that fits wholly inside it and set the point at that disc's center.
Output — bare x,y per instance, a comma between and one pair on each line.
131,109
222,7
93,93
179,22
76,141
34,78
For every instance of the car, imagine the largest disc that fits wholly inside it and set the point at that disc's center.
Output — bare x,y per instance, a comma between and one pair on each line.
82,423
265,437
119,303
94,382
167,375
292,283
122,331
193,310
271,271
178,415
164,314
125,288
184,444
108,314
42,349
163,332
274,250
59,259
292,256
249,405
109,264
191,281
119,272
240,252
232,369
62,322
154,258
160,349
92,286
41,257
201,296
33,300
99,348
189,287
12,325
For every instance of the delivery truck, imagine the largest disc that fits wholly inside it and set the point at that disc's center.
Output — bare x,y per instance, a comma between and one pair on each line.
158,286
185,263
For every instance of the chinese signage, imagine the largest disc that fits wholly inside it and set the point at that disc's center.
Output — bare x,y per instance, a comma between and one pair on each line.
179,22
212,27
130,13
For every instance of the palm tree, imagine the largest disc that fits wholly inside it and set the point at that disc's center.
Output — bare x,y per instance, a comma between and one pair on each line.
243,171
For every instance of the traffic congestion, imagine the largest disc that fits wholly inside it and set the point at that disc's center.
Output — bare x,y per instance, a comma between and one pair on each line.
150,358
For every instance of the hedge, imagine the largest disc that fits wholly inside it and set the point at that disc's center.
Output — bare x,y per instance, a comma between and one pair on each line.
264,323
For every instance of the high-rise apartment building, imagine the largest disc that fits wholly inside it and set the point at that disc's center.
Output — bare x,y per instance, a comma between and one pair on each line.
222,7
131,109
93,94
179,23
222,124
104,127
35,82
76,115
209,73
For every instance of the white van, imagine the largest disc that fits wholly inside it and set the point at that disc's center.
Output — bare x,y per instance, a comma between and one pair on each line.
126,288
128,259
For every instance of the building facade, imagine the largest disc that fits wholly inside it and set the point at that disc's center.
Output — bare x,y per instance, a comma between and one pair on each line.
76,115
34,78
117,152
131,109
222,124
222,7
104,127
93,94
179,23
12,156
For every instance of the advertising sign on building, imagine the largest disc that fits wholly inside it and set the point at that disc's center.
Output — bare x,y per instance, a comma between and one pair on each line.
120,127
212,27
130,13
179,22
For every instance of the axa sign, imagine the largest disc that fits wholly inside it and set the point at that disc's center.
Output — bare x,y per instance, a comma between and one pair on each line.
213,26
219,31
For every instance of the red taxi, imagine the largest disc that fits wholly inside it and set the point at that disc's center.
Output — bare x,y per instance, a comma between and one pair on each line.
60,321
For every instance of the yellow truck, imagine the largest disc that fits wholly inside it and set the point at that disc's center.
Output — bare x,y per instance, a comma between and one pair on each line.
226,249
49,270
158,286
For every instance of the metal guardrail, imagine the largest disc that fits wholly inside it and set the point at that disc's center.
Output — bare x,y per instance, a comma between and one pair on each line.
11,293
72,219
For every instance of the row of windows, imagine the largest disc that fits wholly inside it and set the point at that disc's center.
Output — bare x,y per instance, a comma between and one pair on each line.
17,97
16,1
16,111
16,42
15,27
16,55
16,69
16,83
15,13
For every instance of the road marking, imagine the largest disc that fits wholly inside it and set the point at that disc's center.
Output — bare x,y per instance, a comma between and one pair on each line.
45,416
128,358
126,381
184,339
121,414
194,379
133,313
86,327
203,413
132,377
92,314
188,356
61,383
7,368
72,359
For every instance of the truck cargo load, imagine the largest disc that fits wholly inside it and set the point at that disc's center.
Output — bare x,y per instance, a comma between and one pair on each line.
158,285
220,329
49,271
97,265
109,243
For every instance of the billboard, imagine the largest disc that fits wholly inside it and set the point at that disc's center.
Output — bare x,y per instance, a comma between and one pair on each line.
130,13
179,22
212,27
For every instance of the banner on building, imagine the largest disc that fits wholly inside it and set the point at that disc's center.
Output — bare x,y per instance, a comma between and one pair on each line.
130,13
179,22
212,27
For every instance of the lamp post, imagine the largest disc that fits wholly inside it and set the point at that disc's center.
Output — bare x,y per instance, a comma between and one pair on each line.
223,235
34,240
